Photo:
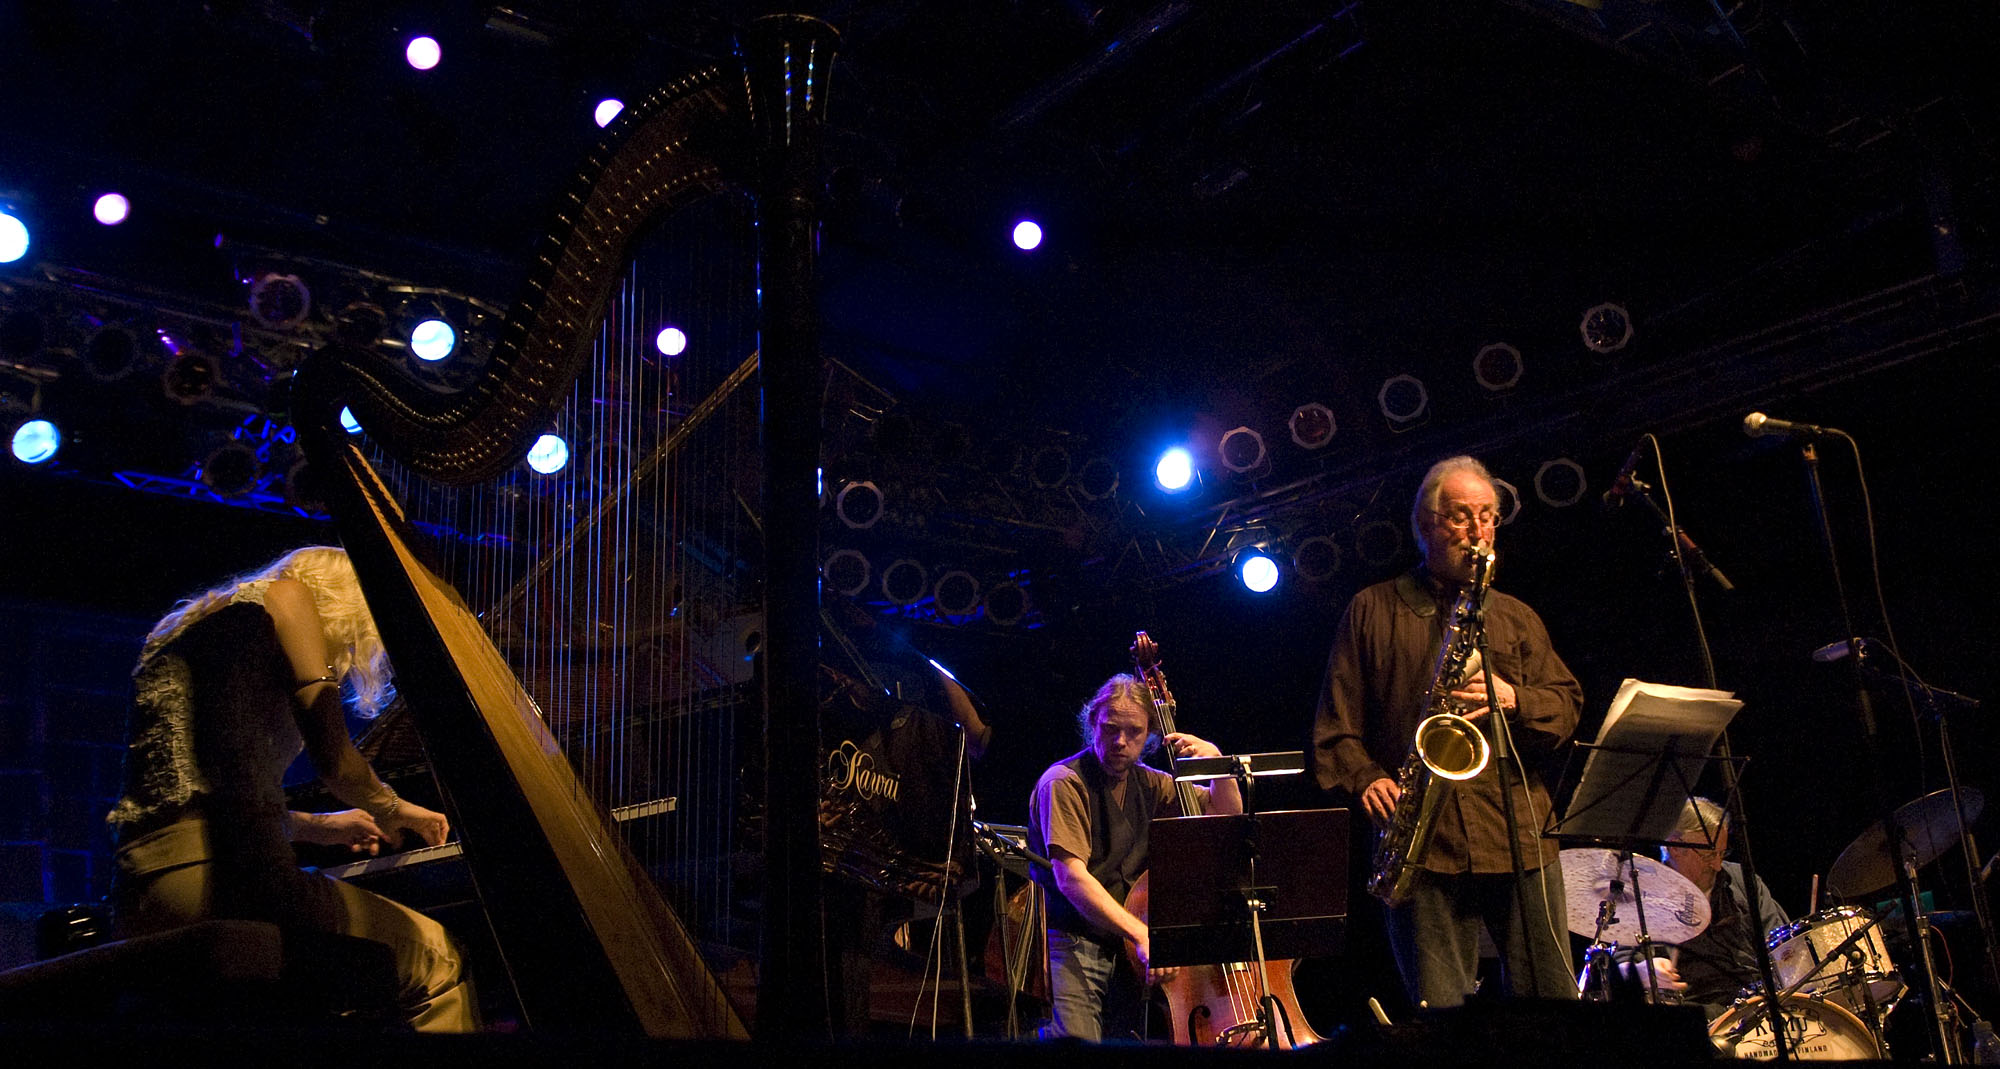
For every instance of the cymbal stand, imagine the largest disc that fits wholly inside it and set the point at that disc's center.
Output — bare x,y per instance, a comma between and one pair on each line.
1942,1047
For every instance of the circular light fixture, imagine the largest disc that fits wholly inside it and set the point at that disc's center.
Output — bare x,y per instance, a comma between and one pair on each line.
1497,367
111,209
1606,328
1257,571
671,341
1402,399
1049,468
1006,603
859,505
423,53
905,582
606,111
1560,483
1317,559
549,454
231,470
956,593
1097,479
1378,541
36,441
1175,471
431,340
1027,235
1312,425
280,302
1241,449
847,572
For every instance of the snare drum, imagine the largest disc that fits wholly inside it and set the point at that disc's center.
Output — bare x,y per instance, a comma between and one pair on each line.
1815,1030
1799,952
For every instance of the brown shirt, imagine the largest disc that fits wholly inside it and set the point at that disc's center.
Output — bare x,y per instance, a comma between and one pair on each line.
1376,689
1073,812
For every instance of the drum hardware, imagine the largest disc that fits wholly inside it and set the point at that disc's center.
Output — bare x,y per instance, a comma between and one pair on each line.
1597,882
1815,1030
1866,981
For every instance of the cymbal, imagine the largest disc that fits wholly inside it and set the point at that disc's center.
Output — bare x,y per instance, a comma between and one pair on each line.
1676,910
1929,827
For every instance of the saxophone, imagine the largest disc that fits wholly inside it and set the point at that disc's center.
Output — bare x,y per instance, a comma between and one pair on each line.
1448,746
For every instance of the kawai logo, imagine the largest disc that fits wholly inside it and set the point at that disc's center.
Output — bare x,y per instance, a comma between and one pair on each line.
851,768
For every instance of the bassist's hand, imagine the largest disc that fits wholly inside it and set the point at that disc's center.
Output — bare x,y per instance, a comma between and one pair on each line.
1142,953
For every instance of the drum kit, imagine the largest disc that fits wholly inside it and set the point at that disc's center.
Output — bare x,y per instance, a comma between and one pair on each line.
1837,982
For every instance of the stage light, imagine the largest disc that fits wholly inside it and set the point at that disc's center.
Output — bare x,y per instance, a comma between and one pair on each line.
1378,541
347,421
1242,449
1027,235
1560,483
1006,603
1097,479
1312,425
190,377
1403,400
1606,328
956,593
423,53
846,571
1497,367
905,581
859,505
549,454
279,302
110,353
432,340
1049,468
606,111
1258,572
1175,471
111,209
13,237
1317,559
231,470
671,341
36,441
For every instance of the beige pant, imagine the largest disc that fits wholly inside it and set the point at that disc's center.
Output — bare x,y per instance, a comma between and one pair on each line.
167,879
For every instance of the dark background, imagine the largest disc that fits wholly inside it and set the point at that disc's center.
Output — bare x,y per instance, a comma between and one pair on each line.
1248,209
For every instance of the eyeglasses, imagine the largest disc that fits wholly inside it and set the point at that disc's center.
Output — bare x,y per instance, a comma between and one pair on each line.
1459,519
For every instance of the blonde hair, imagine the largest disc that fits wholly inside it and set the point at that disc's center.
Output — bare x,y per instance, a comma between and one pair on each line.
328,575
1121,686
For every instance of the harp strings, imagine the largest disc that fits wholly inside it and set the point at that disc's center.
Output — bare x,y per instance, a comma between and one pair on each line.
621,589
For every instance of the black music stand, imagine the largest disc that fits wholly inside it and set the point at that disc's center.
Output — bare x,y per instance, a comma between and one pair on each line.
1249,887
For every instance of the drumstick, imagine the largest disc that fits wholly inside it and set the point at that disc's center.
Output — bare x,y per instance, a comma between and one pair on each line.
1812,901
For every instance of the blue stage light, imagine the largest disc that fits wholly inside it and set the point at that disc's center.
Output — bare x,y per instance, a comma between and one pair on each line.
549,454
13,237
1258,572
1175,471
433,340
36,441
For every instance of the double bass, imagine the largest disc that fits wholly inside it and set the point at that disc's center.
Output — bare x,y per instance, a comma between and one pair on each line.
1210,1005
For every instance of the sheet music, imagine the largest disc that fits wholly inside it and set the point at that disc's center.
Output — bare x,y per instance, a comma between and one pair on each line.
1646,758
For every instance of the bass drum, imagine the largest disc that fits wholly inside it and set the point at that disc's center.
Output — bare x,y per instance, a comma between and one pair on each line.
1816,1030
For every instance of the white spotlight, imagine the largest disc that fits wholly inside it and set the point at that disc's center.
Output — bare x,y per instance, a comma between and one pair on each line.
423,53
36,441
671,341
1027,235
13,238
549,454
433,340
1258,572
111,209
1175,470
607,110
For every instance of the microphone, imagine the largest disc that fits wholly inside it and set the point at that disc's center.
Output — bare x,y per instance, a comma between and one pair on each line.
1622,483
1759,425
1834,651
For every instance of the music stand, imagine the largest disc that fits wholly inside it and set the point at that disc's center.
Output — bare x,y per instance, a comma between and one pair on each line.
1249,887
1651,732
1638,777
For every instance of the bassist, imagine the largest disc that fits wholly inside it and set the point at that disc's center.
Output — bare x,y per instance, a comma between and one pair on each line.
1090,815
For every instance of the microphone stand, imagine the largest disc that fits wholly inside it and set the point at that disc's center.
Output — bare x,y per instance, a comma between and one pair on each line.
1503,756
1686,553
1942,1049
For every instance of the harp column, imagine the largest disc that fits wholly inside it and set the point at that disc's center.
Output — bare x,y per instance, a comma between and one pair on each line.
787,60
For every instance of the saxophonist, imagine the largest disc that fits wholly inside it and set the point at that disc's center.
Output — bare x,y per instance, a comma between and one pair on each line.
1378,687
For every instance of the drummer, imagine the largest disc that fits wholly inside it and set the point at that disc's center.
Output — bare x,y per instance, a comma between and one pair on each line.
1712,968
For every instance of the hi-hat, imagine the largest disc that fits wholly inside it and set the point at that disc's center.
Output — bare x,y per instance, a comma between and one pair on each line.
1676,910
1929,827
